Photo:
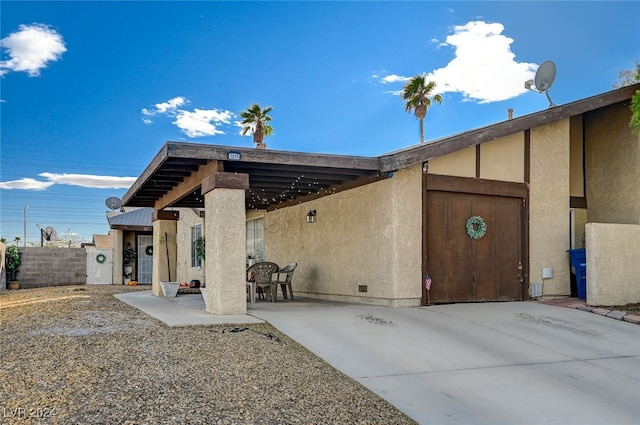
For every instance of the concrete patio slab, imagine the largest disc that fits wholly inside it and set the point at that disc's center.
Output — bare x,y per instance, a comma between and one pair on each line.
182,310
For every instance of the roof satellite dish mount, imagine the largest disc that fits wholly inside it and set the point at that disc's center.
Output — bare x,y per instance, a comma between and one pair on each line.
113,203
545,76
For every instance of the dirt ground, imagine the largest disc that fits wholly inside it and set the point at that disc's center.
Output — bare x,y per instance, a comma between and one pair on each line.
629,308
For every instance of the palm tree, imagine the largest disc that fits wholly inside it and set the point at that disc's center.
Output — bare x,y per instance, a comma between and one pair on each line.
416,92
255,120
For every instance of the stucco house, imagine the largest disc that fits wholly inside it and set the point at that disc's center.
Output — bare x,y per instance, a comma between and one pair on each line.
132,228
486,214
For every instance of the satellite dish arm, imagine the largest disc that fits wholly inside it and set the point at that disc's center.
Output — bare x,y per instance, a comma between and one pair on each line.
551,104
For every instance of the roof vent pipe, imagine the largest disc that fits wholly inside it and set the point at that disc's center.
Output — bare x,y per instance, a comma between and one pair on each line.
510,112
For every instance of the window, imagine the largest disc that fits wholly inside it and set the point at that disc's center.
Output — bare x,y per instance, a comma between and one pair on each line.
196,233
255,238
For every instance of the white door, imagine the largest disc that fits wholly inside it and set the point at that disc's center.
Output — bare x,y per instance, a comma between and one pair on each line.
99,266
145,260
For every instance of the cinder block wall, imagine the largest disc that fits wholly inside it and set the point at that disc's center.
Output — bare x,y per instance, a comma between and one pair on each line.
52,267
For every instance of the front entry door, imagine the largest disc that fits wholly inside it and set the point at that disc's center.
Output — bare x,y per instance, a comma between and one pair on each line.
464,269
145,259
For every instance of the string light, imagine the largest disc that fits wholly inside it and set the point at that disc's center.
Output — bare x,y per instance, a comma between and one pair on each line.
300,186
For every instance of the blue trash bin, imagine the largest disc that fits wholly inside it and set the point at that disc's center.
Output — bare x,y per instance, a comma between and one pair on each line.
578,258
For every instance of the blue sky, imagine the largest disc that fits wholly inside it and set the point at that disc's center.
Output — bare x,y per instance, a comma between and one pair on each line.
90,91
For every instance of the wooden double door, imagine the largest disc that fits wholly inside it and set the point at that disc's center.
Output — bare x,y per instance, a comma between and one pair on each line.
464,269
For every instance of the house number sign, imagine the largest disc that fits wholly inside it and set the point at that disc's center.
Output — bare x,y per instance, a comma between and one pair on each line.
233,156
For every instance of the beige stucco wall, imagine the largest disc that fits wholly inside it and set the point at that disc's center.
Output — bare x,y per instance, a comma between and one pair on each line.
225,251
370,235
184,271
163,270
580,220
613,166
118,267
503,159
549,207
253,214
576,161
461,163
500,159
613,264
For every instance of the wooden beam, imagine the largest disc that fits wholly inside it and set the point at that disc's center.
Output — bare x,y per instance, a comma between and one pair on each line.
188,185
578,202
165,215
477,186
225,180
270,156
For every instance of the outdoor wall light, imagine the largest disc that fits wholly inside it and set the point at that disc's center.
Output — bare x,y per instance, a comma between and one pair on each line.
311,216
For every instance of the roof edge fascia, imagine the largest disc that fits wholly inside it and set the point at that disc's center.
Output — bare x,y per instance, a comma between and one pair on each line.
417,154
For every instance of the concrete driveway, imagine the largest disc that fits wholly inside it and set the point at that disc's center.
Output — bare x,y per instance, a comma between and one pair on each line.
493,363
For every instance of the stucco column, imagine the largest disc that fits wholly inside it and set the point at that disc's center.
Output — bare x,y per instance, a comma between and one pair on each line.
118,244
225,239
165,227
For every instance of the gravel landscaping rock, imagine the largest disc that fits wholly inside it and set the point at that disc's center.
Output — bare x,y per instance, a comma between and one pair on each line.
77,355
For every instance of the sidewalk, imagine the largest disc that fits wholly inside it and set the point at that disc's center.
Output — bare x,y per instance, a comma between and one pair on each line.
581,304
183,310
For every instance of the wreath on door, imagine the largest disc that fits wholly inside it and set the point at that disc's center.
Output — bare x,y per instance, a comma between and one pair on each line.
149,250
100,258
476,227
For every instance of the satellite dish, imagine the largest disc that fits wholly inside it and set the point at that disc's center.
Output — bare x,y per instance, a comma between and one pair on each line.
49,234
545,76
113,203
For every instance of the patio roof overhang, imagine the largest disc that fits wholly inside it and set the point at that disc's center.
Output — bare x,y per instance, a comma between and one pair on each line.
276,178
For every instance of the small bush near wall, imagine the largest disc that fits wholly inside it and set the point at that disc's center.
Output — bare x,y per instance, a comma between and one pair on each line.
43,267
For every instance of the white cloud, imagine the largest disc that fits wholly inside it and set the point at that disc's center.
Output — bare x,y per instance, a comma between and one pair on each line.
484,68
393,78
25,184
88,180
202,122
31,48
196,123
169,107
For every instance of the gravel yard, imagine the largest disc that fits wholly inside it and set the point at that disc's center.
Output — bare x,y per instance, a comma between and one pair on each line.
77,355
